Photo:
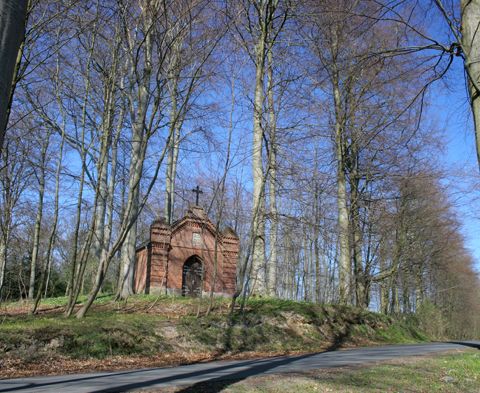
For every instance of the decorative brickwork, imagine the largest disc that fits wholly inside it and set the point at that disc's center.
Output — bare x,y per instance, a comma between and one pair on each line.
163,264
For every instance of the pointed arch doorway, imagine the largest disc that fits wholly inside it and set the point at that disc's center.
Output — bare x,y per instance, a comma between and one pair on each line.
192,277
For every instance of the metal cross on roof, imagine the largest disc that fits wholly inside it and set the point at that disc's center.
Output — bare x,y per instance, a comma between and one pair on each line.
198,192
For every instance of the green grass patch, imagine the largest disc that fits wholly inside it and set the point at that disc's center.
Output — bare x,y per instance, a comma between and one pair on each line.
450,373
280,325
149,324
98,335
455,373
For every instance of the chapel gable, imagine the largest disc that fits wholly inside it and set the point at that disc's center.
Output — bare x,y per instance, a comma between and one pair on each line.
187,258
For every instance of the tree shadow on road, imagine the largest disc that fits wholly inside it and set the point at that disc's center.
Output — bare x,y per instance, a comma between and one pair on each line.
338,338
213,386
254,367
466,344
216,385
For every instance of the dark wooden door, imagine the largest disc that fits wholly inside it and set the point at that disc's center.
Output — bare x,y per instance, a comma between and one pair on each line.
192,277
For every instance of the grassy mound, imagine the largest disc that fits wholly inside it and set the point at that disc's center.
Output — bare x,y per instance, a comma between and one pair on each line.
167,327
272,325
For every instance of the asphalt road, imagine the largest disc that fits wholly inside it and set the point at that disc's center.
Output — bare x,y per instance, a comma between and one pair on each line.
153,378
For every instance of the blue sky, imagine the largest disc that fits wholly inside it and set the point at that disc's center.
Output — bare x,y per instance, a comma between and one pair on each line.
450,112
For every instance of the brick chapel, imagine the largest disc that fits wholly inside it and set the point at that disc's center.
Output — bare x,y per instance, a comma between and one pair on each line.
179,259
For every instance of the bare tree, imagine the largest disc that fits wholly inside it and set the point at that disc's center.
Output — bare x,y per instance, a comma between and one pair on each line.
40,174
257,34
15,174
271,268
176,79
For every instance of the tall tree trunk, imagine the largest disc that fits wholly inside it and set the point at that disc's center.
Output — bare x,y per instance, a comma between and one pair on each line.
110,96
123,205
135,174
470,21
222,195
344,268
4,240
100,209
316,246
53,234
78,265
171,173
358,265
49,256
13,15
306,268
9,193
111,184
74,277
395,297
258,258
128,248
139,99
272,179
136,168
419,288
38,219
384,297
173,149
242,277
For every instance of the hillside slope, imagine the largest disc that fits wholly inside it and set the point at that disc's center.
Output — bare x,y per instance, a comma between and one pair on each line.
152,331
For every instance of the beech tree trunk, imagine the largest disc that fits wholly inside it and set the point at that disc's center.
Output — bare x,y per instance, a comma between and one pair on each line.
135,175
358,263
13,14
316,246
111,185
77,265
344,267
128,248
174,143
470,15
38,219
45,277
13,181
384,290
258,257
138,149
272,186
3,258
53,233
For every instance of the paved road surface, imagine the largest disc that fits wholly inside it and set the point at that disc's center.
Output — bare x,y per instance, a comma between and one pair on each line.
220,370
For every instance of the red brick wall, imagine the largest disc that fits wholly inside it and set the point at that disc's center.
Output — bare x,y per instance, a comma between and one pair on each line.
140,277
162,268
231,250
160,234
183,247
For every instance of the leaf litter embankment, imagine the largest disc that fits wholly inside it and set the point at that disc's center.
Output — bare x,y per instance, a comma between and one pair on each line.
152,331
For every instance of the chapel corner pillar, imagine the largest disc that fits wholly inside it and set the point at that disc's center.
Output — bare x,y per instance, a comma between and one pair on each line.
160,238
231,252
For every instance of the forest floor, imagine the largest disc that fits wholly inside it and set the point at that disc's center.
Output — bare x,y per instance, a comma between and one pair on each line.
150,331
